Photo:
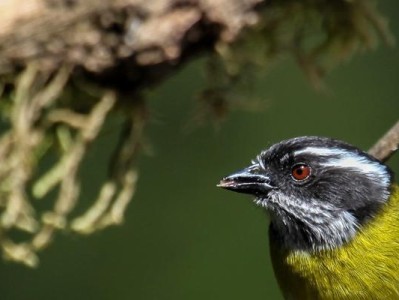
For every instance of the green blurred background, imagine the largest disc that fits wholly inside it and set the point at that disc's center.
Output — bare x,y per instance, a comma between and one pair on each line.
183,238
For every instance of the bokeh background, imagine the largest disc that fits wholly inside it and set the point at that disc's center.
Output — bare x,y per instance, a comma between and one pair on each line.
183,238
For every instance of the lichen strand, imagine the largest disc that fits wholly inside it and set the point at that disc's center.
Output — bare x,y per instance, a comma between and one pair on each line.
38,126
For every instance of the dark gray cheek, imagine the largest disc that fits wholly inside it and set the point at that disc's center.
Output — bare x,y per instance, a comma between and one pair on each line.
327,191
355,194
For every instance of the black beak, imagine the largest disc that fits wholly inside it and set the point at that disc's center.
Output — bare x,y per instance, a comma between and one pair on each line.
248,181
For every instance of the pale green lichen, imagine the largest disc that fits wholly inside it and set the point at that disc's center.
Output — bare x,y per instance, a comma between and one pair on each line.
38,125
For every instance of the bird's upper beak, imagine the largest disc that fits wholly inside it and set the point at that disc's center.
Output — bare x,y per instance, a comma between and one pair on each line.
248,181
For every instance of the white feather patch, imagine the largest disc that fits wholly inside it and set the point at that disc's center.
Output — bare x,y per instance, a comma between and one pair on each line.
350,160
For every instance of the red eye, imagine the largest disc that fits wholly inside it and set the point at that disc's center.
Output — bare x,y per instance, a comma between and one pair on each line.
300,172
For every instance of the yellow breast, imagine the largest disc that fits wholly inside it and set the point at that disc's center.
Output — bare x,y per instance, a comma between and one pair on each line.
365,268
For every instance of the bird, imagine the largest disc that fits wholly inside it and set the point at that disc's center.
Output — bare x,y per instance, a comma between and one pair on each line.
334,218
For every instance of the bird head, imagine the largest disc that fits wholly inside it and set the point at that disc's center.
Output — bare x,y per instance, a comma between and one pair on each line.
318,191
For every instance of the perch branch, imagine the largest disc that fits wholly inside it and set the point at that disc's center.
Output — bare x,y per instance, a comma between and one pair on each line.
387,145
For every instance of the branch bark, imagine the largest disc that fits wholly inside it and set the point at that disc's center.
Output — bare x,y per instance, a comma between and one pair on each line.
121,43
387,145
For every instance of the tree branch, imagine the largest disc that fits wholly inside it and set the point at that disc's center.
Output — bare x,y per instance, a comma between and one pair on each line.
387,145
142,41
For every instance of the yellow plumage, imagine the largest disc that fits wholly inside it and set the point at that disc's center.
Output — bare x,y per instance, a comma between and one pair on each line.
365,268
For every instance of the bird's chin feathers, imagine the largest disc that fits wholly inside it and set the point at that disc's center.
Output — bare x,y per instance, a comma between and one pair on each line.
260,201
310,226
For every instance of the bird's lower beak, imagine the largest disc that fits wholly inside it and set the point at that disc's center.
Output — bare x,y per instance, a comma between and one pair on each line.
248,181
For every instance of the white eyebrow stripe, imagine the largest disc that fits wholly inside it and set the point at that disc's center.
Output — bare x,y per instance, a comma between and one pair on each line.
347,159
323,151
